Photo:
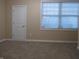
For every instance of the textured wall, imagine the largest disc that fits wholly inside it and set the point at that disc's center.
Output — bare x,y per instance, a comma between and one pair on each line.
2,19
33,23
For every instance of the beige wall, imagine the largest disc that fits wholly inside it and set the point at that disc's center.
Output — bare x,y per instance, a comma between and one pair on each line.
2,19
33,23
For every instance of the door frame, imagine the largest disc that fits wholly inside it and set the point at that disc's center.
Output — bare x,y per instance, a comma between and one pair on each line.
12,22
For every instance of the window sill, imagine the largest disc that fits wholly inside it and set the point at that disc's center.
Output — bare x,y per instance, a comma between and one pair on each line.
55,29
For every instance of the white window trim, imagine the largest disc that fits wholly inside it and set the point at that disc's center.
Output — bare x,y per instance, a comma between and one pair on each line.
59,28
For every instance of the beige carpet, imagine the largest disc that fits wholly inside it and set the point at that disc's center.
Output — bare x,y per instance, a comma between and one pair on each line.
36,50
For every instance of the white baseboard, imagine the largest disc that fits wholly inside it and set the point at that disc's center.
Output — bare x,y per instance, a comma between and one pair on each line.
2,40
50,41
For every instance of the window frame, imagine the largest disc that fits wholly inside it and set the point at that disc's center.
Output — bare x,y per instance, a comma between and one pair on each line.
59,16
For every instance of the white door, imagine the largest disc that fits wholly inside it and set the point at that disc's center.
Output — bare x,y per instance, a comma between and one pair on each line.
19,22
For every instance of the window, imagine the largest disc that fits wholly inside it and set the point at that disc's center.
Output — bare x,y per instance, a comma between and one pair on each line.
59,15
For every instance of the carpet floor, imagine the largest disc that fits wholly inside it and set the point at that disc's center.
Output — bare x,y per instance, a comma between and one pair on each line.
38,50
